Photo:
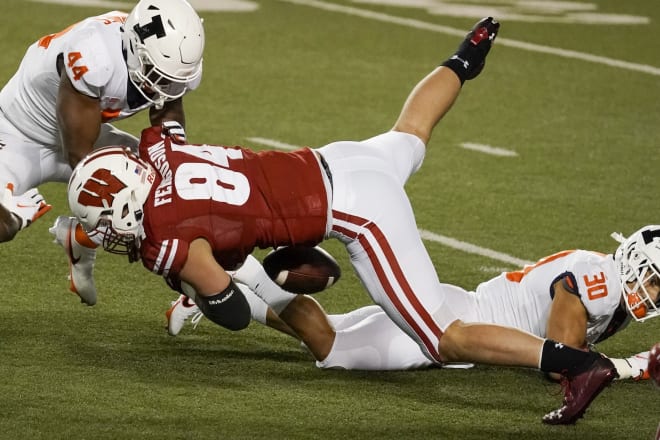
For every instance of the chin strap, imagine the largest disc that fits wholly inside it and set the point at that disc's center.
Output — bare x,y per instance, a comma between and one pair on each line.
618,236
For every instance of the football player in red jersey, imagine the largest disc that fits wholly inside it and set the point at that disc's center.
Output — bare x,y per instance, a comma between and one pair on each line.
193,212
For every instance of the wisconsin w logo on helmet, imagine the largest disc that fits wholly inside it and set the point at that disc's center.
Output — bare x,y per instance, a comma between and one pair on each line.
100,189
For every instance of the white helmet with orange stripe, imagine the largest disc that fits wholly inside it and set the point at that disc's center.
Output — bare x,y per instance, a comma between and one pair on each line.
637,260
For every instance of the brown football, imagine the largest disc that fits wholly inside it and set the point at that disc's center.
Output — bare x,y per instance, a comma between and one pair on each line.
654,364
300,269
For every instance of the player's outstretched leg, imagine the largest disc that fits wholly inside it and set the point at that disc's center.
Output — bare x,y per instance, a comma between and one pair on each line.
81,257
435,94
470,58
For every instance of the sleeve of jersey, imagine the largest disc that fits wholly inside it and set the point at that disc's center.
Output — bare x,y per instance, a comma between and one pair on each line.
594,288
148,137
165,258
87,63
569,283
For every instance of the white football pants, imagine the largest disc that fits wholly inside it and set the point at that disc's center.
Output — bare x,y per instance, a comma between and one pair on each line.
27,164
373,217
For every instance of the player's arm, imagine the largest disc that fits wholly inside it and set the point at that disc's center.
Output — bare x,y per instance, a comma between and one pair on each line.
171,111
567,322
300,316
79,120
217,296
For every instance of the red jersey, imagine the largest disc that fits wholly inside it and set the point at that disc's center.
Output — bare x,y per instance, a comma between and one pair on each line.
235,198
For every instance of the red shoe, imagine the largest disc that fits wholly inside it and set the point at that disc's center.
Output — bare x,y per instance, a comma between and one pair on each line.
580,391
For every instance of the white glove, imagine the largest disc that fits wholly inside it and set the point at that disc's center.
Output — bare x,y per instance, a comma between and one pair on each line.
27,207
640,364
635,367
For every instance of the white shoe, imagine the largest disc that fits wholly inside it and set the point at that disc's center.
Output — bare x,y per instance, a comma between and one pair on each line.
81,259
182,309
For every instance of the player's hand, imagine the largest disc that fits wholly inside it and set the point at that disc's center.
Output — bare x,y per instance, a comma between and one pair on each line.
640,364
174,131
27,207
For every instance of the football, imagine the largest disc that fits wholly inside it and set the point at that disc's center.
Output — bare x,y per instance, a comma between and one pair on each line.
654,364
300,269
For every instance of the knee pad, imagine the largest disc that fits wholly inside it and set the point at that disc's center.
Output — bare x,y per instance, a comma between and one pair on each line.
228,308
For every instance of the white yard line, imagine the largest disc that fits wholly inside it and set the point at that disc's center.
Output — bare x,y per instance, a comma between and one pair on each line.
426,235
418,24
488,149
472,248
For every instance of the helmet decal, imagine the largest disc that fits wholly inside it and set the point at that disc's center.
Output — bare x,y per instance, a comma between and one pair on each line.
150,29
100,189
650,234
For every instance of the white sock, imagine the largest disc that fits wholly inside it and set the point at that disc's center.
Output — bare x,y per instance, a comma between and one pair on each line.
258,308
255,277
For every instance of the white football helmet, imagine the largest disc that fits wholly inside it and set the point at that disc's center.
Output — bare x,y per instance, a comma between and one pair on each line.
107,192
637,259
164,42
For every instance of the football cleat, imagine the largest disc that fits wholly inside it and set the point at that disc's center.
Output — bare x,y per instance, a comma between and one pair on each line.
470,57
81,259
182,309
580,391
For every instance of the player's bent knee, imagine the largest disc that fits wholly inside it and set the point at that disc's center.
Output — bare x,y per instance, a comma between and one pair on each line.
452,342
228,308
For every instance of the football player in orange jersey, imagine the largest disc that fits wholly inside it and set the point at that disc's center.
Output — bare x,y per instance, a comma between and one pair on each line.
553,298
69,88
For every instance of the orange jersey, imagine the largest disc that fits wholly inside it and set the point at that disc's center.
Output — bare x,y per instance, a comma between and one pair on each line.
235,198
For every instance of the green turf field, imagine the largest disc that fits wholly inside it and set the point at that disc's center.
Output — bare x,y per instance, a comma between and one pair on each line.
578,104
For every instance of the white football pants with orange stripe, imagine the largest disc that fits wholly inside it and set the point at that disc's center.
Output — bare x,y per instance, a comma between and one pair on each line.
372,216
27,164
